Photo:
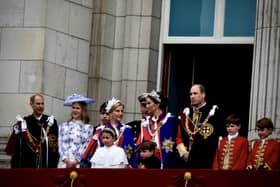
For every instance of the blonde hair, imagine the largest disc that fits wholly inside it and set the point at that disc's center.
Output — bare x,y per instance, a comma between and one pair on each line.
116,106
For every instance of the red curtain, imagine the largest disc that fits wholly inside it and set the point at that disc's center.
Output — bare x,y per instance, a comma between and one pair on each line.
135,178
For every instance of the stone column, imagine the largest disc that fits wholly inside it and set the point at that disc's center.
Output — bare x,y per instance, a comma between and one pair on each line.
44,48
124,51
265,90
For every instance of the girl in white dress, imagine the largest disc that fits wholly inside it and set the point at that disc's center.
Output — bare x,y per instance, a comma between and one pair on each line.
74,134
110,155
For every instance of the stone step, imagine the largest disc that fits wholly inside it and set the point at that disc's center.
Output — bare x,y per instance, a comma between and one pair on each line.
4,161
2,146
4,157
3,143
5,164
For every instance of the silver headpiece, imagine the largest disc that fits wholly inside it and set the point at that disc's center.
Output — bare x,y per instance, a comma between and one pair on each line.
154,95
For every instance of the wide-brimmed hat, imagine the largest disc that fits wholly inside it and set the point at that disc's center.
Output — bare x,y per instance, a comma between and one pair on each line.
77,98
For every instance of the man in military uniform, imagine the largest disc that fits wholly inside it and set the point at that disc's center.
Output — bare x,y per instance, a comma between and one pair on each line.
199,129
136,124
33,142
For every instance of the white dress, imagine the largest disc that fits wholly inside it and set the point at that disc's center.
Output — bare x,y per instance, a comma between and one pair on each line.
73,137
109,157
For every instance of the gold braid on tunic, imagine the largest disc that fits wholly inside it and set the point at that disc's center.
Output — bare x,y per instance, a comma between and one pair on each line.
227,154
260,155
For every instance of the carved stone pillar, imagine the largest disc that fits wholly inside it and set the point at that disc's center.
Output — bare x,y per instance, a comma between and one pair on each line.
265,90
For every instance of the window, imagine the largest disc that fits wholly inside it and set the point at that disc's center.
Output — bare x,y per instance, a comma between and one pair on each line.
191,18
217,20
240,18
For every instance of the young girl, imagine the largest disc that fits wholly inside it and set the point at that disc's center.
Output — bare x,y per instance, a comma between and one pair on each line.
233,149
110,155
266,151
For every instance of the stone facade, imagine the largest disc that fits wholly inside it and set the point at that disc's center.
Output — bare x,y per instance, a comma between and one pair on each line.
105,48
123,51
99,48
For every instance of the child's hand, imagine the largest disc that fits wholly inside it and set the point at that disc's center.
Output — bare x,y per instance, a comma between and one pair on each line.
141,166
71,163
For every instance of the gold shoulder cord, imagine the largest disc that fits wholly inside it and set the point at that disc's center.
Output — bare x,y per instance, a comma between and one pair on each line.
42,140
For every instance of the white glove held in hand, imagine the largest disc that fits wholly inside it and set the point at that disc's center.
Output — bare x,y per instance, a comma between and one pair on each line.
23,123
50,120
95,137
19,118
16,129
23,126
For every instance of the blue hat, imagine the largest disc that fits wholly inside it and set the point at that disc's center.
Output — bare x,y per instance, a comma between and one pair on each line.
77,98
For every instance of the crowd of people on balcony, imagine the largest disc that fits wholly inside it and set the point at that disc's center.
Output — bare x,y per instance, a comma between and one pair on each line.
196,138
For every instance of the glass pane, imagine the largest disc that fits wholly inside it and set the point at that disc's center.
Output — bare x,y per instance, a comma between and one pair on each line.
240,18
191,17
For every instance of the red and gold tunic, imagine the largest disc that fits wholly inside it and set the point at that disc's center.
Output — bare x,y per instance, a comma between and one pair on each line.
231,155
265,155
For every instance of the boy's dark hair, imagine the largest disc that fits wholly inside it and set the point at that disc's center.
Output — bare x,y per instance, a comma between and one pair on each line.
147,145
264,123
142,99
102,108
233,119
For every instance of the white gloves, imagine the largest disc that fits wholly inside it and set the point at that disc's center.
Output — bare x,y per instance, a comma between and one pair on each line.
50,120
23,124
16,129
212,111
187,111
95,137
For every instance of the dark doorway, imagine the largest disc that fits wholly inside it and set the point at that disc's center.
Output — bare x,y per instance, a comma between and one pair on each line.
225,71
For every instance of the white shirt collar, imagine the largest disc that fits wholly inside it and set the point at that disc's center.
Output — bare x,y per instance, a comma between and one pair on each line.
266,138
230,137
197,108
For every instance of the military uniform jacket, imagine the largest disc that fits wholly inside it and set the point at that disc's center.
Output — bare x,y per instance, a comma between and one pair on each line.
267,153
231,155
136,128
205,139
46,155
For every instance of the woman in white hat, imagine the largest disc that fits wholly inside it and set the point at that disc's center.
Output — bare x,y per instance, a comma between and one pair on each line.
74,134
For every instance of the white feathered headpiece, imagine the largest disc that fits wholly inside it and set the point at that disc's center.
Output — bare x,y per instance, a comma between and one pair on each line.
111,103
